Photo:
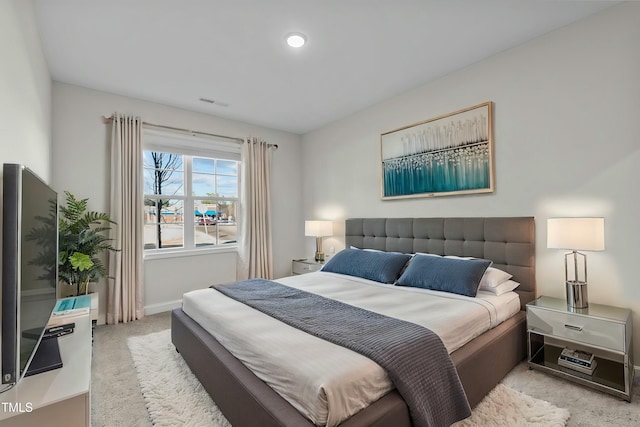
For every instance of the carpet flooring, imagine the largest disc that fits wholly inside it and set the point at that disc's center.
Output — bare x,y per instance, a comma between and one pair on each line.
589,408
117,400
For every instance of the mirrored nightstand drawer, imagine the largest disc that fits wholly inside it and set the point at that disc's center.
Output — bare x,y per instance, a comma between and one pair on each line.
305,266
585,329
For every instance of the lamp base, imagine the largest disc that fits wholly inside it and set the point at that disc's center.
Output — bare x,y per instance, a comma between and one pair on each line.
319,256
577,296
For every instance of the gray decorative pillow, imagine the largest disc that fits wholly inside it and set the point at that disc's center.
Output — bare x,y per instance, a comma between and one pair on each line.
455,275
383,267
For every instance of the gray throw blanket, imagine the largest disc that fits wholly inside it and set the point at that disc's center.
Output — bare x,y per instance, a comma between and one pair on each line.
414,357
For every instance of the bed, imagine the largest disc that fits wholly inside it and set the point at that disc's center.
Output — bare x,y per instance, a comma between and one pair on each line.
481,363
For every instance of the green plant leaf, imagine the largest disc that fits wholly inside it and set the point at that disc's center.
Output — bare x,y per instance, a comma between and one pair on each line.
81,261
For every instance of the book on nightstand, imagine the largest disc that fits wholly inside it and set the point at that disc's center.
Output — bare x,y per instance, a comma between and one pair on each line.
578,360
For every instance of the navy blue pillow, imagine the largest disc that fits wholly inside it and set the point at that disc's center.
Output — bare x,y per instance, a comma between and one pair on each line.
384,267
455,275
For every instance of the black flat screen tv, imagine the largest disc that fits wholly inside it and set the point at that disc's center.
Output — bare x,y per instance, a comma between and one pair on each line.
29,272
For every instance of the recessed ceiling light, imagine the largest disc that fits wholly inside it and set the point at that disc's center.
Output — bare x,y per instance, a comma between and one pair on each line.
296,39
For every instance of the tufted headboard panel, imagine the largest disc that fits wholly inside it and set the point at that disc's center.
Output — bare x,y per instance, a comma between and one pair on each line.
507,241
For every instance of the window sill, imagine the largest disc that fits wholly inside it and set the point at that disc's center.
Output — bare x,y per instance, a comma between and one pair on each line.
160,254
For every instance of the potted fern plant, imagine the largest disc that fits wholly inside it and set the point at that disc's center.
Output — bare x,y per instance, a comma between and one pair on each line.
82,239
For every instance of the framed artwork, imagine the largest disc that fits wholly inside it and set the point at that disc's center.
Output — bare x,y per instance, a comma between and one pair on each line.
448,155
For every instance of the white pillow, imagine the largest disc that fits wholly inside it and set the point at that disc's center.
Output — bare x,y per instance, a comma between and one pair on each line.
502,288
492,278
365,249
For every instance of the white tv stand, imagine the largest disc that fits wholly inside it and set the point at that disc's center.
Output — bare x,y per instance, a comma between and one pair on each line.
57,398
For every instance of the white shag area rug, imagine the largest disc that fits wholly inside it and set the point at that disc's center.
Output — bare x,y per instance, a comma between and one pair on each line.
174,397
506,407
172,394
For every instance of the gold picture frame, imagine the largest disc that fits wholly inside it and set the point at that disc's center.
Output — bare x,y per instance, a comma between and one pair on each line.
448,155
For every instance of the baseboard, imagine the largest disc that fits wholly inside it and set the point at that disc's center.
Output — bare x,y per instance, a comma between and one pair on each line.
160,308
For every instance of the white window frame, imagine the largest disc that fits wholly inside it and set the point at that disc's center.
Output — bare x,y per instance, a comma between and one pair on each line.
190,146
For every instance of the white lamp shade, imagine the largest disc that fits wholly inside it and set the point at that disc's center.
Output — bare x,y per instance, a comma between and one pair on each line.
584,234
318,228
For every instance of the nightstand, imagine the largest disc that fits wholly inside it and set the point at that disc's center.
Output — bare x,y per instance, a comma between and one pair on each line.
602,330
303,266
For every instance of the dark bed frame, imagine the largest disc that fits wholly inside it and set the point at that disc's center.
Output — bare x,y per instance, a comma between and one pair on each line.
508,241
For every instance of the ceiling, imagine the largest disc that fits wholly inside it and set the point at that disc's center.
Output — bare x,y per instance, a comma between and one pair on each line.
359,52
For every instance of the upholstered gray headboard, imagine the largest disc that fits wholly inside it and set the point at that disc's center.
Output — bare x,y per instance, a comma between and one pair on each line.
507,241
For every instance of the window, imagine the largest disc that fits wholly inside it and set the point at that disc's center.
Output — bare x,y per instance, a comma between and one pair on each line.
190,196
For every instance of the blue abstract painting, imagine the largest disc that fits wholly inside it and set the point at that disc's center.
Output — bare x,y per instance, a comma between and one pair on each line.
451,154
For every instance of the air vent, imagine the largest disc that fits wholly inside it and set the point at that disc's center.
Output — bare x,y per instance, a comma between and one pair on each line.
213,101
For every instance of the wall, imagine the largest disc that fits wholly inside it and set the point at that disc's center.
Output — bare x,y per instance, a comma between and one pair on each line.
81,156
566,107
25,91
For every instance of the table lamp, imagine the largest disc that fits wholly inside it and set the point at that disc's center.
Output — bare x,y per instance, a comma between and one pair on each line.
318,229
576,234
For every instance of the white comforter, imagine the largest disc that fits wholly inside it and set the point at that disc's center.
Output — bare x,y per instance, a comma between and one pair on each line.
326,382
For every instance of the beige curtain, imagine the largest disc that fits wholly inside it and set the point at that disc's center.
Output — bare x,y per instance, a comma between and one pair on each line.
254,245
125,291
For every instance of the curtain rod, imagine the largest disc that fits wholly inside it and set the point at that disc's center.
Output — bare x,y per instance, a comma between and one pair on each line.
109,119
